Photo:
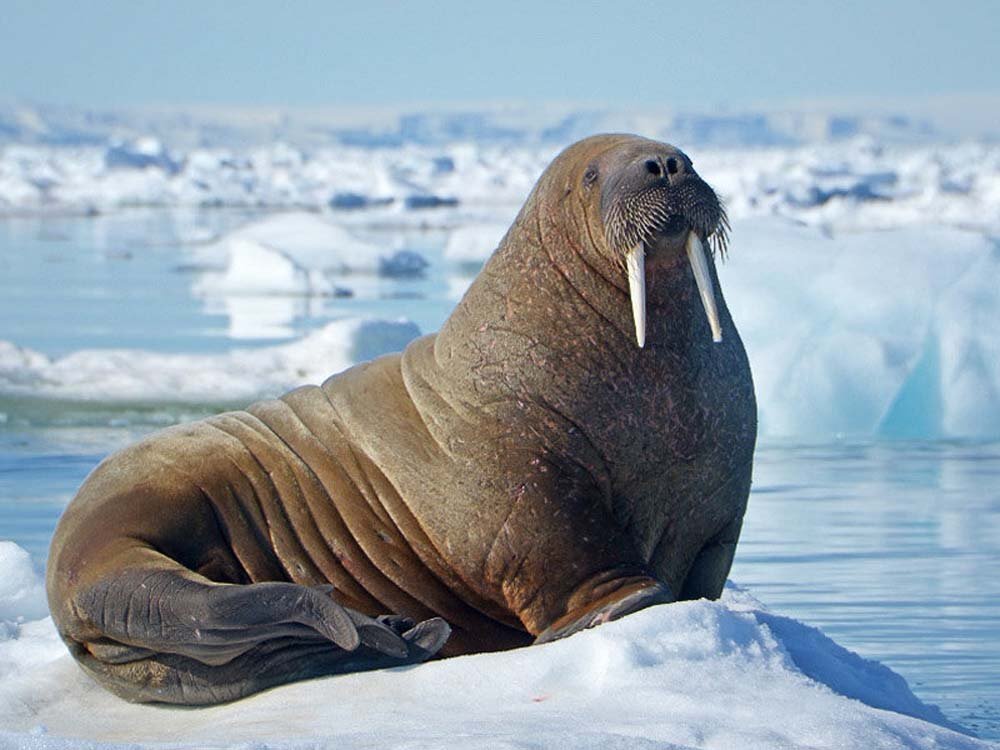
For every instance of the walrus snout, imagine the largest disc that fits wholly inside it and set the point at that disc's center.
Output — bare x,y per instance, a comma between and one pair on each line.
656,203
659,196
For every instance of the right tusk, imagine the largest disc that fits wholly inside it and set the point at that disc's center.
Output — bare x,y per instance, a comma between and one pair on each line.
635,263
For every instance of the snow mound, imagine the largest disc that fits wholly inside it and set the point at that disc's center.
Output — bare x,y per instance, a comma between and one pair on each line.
122,375
690,675
879,333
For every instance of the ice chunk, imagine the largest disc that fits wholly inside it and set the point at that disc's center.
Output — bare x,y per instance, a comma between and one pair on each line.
307,240
256,269
420,202
22,591
403,263
120,375
349,201
141,153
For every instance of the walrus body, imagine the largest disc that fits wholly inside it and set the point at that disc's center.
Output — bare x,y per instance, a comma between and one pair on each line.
526,472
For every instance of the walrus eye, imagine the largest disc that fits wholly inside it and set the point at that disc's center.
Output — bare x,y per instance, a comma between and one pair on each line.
653,167
590,175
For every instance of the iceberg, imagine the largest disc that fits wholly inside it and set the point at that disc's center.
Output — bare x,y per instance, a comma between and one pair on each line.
256,269
868,334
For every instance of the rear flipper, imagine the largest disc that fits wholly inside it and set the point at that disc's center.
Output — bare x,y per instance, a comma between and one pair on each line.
166,636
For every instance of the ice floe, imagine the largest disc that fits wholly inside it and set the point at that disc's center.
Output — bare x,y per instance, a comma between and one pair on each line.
293,254
699,674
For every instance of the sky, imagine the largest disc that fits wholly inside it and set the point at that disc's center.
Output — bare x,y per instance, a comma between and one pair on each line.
114,53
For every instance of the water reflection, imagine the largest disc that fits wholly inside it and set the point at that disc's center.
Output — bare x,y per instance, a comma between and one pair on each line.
892,549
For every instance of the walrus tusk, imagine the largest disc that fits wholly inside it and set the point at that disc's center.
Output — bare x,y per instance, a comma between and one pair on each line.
635,262
696,254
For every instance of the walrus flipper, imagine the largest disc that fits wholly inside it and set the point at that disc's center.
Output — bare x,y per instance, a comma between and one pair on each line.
613,608
165,636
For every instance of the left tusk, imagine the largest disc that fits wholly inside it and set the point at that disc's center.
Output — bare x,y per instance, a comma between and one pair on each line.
635,263
696,255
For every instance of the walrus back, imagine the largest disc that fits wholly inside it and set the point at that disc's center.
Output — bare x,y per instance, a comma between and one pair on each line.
275,493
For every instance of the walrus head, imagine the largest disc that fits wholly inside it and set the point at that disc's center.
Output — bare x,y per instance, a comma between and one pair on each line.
654,205
616,225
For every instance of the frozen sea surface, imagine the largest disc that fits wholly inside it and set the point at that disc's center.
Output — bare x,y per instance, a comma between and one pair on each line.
888,546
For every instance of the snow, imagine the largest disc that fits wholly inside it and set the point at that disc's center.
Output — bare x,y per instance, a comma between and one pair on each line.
121,375
726,674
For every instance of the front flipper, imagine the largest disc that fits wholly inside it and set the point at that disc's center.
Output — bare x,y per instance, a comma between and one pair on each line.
626,596
561,561
164,635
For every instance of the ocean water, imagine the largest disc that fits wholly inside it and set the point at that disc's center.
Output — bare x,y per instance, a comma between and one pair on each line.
892,548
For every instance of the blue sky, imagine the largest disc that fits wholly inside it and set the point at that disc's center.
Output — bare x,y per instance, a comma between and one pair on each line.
687,54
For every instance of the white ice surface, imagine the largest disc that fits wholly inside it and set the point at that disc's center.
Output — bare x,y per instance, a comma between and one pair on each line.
124,375
22,594
725,674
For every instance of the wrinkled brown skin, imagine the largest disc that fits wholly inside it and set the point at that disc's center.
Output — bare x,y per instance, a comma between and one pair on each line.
526,472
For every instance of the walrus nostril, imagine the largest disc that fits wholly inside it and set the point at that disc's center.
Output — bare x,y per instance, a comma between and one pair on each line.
672,167
653,167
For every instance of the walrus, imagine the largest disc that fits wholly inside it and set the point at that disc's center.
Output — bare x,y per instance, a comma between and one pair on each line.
573,445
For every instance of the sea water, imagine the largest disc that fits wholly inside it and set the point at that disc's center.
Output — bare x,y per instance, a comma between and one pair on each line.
890,547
